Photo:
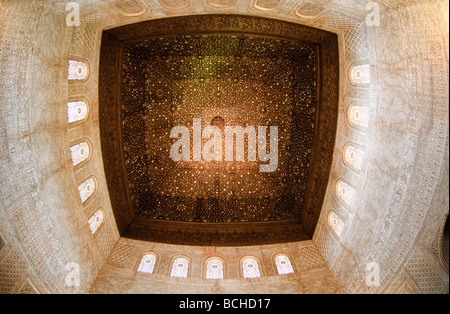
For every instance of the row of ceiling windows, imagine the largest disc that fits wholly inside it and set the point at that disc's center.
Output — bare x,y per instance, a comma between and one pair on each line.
352,156
215,266
81,151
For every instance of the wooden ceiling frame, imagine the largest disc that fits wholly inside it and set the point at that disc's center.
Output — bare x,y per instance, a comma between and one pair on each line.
217,234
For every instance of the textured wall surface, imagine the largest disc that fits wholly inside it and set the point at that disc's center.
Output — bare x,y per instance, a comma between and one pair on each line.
392,201
42,221
401,192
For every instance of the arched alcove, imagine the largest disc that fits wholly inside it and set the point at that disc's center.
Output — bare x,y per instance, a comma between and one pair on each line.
180,267
96,221
78,70
215,268
250,267
147,263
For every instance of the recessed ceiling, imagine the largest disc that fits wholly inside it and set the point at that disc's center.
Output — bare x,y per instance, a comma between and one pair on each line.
225,71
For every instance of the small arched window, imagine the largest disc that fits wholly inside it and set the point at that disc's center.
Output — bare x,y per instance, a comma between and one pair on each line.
96,221
147,264
345,192
80,153
250,268
284,265
87,189
353,156
335,223
360,74
358,116
78,71
180,268
214,269
77,111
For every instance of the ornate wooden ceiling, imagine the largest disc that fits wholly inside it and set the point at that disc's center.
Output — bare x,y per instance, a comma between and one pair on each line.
228,71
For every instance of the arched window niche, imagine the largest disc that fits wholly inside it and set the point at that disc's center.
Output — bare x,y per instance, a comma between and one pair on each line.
215,268
81,152
96,221
180,267
87,189
77,110
147,263
335,223
353,156
250,267
358,116
284,264
78,70
345,193
267,5
359,74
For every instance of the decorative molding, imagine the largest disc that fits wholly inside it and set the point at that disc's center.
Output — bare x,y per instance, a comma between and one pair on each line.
88,189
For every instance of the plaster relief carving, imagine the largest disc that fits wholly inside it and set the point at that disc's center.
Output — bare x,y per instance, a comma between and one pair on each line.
175,4
130,7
